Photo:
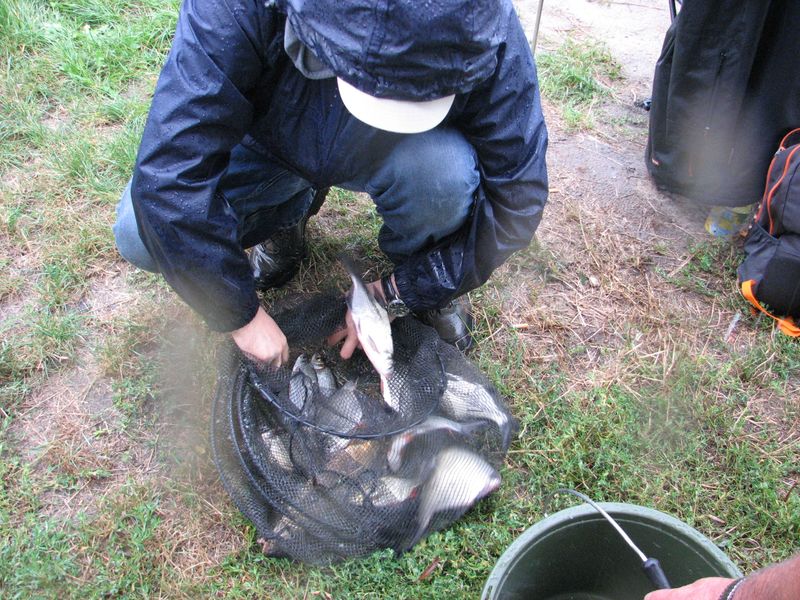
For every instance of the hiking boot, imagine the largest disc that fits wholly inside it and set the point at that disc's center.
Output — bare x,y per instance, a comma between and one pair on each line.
276,260
725,221
453,323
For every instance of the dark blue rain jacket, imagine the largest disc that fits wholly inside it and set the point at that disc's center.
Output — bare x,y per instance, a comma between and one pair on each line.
228,80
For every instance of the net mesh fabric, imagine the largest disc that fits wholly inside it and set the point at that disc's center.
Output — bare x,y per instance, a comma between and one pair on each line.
334,474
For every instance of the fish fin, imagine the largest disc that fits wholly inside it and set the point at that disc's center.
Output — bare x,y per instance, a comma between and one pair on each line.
506,436
394,456
371,343
471,427
348,262
419,533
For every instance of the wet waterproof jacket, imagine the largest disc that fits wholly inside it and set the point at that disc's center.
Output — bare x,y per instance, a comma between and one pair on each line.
228,80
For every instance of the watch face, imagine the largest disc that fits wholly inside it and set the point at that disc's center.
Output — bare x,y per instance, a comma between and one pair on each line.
397,308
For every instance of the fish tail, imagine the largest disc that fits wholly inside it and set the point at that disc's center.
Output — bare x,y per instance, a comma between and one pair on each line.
506,438
349,264
506,429
472,426
419,533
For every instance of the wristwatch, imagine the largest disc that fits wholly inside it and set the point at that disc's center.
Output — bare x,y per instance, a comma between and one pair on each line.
394,304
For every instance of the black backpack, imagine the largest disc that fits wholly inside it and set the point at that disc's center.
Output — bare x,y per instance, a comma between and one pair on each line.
769,277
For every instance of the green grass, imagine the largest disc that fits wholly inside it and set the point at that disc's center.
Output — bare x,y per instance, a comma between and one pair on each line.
707,261
663,446
38,342
51,558
575,76
122,500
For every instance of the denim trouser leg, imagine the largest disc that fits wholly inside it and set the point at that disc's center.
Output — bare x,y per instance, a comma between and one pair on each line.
264,196
126,235
424,190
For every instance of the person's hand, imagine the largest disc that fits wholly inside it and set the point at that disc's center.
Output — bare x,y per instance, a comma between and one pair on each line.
348,332
262,340
709,588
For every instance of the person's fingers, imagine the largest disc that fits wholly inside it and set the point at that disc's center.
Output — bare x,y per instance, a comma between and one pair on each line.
284,355
350,345
262,340
348,334
336,337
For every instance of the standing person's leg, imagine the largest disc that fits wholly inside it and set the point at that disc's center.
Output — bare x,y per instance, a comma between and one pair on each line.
424,191
271,204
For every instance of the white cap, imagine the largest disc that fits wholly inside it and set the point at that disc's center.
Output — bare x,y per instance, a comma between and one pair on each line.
398,116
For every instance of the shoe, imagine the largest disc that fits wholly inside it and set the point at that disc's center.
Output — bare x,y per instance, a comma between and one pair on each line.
726,220
276,260
453,323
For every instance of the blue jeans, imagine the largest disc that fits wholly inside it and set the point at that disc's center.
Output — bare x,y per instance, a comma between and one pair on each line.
423,191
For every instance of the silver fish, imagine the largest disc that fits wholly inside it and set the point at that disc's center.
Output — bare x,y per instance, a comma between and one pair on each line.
371,323
325,378
329,418
394,455
354,458
391,400
301,390
463,401
340,413
345,401
459,479
285,530
275,448
393,490
303,365
327,479
388,491
301,383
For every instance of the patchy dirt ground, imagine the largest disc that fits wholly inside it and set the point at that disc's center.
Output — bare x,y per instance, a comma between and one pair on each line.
606,225
605,168
597,299
609,230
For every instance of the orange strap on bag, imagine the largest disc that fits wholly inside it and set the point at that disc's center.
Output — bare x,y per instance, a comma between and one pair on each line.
766,199
786,325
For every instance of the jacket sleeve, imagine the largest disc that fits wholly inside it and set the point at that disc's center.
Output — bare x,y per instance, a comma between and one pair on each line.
502,119
200,111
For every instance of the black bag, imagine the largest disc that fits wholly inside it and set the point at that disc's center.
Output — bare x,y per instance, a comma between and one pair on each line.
769,277
724,92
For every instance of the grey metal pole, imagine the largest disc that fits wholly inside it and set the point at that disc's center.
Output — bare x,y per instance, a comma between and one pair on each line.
536,27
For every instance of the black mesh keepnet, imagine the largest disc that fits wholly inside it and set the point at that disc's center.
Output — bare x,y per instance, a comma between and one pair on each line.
338,467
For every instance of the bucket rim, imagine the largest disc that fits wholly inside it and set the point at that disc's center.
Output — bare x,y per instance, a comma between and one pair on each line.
513,553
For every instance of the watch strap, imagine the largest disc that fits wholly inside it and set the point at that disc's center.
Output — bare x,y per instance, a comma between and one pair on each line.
729,591
394,304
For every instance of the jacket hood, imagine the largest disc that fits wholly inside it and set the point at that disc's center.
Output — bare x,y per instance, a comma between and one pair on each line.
403,49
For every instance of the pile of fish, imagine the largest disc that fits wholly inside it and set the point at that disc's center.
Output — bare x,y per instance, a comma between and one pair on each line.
337,486
314,391
452,479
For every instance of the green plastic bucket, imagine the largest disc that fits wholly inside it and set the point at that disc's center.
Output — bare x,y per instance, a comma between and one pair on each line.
576,554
